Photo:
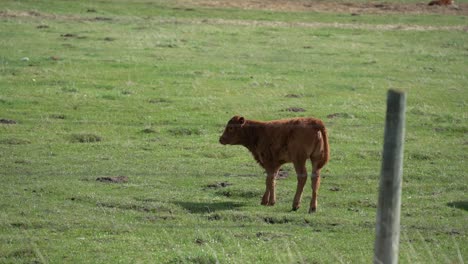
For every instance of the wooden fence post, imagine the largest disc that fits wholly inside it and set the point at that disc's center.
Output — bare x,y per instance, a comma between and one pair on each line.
388,211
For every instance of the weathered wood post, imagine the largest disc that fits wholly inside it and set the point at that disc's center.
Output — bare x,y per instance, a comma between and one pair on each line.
388,211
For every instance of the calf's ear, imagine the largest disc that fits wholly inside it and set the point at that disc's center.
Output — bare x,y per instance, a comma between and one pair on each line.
241,120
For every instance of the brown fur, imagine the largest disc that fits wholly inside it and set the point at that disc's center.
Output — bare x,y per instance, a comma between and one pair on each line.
441,2
275,143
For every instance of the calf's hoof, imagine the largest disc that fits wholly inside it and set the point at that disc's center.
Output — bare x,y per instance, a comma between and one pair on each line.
312,210
265,199
267,203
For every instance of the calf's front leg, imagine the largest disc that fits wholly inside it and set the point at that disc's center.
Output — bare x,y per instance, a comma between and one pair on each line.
266,195
269,197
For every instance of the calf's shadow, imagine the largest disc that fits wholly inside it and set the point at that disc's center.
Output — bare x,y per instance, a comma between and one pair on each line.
459,204
207,207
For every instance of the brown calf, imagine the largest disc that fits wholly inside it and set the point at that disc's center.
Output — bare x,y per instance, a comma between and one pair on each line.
278,142
442,2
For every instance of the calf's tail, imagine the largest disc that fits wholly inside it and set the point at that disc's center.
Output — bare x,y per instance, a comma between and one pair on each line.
326,147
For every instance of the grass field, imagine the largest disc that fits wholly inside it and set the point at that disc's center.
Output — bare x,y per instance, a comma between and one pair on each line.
142,89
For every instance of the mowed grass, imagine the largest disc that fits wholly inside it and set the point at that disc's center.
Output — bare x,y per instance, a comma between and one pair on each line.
107,89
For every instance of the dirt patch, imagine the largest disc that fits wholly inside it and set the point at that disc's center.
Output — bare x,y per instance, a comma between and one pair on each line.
294,109
454,232
276,220
226,194
158,218
267,236
200,241
118,179
14,141
85,138
282,174
57,116
340,115
293,96
218,185
69,35
214,217
7,122
183,131
103,19
159,101
148,130
333,6
22,253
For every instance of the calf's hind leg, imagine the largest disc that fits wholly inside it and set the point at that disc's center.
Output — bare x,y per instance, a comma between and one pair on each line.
315,187
301,172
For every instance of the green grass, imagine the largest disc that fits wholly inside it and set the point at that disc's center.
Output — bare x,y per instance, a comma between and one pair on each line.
125,11
146,95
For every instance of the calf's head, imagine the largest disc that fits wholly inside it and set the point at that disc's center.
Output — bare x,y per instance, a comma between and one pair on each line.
233,132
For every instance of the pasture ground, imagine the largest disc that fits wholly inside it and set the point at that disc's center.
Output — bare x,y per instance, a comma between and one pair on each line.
143,89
